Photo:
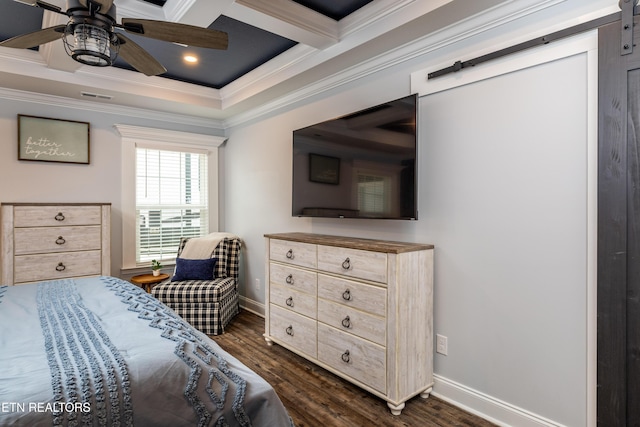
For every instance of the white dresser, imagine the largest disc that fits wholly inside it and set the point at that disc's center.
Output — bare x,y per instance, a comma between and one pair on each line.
360,308
54,241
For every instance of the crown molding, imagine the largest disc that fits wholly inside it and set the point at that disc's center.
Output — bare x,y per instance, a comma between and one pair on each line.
435,41
144,10
277,70
104,108
385,33
375,11
169,136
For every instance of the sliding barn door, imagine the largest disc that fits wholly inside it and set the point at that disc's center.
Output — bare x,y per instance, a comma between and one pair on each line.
619,228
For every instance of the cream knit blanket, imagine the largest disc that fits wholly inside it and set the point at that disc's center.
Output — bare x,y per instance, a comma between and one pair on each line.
202,247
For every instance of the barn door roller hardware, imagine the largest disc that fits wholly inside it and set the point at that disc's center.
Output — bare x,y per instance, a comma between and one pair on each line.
627,6
626,21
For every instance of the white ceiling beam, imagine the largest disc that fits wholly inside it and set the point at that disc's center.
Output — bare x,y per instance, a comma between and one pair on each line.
200,13
287,19
142,10
283,17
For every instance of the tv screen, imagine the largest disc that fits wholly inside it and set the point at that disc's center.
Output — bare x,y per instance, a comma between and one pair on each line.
362,165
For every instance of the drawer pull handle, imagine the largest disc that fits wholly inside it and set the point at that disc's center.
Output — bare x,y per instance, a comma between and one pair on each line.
290,254
346,264
60,240
346,358
289,279
289,301
59,217
346,322
346,295
60,267
289,330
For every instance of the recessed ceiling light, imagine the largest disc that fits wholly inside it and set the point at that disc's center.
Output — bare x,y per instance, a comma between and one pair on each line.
191,59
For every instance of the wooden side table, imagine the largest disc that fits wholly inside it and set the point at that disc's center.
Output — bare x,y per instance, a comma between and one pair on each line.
147,281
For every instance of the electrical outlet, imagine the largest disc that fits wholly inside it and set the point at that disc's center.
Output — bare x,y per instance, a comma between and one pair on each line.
258,284
441,344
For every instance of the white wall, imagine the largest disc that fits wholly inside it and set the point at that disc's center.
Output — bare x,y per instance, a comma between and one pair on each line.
99,181
507,197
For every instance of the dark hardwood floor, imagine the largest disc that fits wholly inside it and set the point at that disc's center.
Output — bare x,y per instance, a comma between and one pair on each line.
316,397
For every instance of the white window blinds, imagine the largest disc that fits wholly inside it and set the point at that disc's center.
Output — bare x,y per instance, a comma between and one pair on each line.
372,194
171,201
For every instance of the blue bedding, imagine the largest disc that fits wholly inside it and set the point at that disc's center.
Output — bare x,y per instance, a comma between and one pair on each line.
102,352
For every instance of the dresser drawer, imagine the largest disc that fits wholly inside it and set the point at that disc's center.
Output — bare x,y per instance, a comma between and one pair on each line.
296,253
59,215
367,326
369,298
294,278
56,239
31,268
353,262
353,356
293,329
293,300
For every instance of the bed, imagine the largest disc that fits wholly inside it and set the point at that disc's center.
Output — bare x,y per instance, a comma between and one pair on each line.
101,351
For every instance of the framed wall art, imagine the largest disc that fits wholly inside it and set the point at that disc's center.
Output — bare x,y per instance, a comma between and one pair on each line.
324,169
53,140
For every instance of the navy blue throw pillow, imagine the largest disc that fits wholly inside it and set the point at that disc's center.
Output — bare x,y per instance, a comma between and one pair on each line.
194,269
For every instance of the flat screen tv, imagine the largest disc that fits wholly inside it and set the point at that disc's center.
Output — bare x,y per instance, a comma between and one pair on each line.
362,165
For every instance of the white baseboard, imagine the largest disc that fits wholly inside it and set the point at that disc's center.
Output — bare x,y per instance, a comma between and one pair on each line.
466,398
485,406
253,306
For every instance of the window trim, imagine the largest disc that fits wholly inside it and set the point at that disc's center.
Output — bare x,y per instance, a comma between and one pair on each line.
133,136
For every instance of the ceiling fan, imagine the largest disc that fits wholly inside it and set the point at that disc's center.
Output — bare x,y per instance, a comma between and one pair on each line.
90,36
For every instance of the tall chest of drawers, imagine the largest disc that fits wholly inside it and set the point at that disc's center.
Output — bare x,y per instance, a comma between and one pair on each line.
360,308
54,241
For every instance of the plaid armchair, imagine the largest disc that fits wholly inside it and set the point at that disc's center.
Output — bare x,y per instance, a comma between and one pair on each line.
208,305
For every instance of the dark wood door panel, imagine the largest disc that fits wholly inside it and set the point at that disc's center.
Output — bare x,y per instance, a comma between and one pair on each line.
618,228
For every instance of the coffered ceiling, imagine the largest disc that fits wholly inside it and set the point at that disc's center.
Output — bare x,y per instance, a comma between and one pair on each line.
275,47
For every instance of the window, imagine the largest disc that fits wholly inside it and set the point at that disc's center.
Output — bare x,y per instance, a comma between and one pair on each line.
169,190
372,194
171,201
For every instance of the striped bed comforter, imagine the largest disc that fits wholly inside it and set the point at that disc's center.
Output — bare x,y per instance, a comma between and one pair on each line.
101,352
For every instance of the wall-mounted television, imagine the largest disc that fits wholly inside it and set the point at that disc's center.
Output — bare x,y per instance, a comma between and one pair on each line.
362,165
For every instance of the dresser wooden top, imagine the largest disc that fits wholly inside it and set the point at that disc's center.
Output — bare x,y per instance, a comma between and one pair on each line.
351,242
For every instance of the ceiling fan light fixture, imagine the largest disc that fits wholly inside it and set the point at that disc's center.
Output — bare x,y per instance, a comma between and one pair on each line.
90,44
191,59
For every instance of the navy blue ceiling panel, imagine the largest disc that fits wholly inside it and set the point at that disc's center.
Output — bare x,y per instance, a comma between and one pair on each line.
334,9
18,19
160,3
249,47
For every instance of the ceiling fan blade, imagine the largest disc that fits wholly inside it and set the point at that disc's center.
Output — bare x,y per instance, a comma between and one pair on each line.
139,58
177,33
48,6
36,38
